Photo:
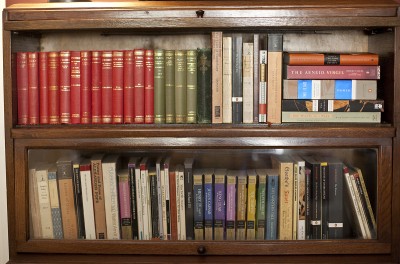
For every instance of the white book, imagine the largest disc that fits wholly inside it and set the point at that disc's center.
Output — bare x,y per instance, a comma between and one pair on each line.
227,80
139,207
87,200
159,198
163,206
167,225
178,203
248,89
299,212
182,203
109,167
145,194
262,101
217,73
46,222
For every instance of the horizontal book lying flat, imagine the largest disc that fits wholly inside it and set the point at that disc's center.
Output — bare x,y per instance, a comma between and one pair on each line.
335,117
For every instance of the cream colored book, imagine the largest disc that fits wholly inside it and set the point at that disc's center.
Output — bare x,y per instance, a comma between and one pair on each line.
227,80
217,73
248,89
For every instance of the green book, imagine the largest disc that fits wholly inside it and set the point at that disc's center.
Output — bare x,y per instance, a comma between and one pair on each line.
159,86
180,86
191,81
170,86
204,85
261,204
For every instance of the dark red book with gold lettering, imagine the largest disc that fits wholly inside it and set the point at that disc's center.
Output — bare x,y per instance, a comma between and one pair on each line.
128,87
138,79
65,87
43,89
75,87
149,87
106,87
33,88
96,87
86,87
117,86
22,87
54,88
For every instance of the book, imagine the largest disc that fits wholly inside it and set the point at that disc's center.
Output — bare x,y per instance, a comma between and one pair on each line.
256,76
124,201
357,72
34,212
144,185
227,79
335,117
251,205
76,179
65,86
167,214
204,86
271,223
219,203
138,84
43,88
134,179
54,87
217,75
308,202
86,86
180,201
55,203
299,198
43,198
159,86
155,231
87,199
237,79
317,58
106,86
128,86
261,203
117,86
22,87
274,77
75,87
208,204
33,88
188,188
248,82
330,89
98,195
191,85
161,209
262,102
231,204
180,86
198,200
241,206
149,86
170,86
324,105
173,206
96,87
324,197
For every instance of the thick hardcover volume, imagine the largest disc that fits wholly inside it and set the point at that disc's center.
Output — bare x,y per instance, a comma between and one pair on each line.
231,205
159,86
251,205
128,87
256,76
65,87
43,88
180,86
155,231
198,192
357,72
333,117
170,86
248,89
219,204
271,229
96,87
138,83
54,87
35,227
299,195
124,199
241,205
76,179
87,199
330,89
204,86
188,188
262,111
173,205
274,76
237,79
216,43
261,203
98,196
227,80
55,203
133,165
285,166
294,58
33,88
324,105
66,192
22,87
208,204
149,86
43,196
75,87
106,87
191,86
86,87
117,86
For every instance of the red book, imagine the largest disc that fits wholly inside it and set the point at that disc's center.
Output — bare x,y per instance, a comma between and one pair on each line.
330,72
117,86
22,87
75,102
65,87
54,88
128,87
86,87
149,87
172,203
106,87
138,75
43,89
33,88
96,87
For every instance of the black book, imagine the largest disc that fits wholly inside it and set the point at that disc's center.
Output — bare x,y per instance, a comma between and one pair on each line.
188,170
133,164
237,79
155,233
76,177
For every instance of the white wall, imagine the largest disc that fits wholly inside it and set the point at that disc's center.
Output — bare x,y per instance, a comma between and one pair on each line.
3,191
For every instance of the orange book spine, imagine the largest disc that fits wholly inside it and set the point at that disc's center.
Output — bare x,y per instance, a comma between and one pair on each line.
331,59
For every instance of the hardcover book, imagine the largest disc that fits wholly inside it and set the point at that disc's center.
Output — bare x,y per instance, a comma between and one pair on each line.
198,192
188,186
217,75
43,88
180,204
96,87
54,87
237,79
33,88
333,117
219,204
75,87
134,179
138,84
155,233
161,198
159,86
191,85
208,204
204,84
106,87
248,83
65,87
262,111
274,76
324,105
22,87
170,86
149,86
330,72
167,221
180,86
173,206
86,87
117,86
314,58
76,179
128,88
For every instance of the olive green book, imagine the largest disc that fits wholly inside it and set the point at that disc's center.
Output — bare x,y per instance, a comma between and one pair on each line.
204,85
159,86
180,86
191,81
170,86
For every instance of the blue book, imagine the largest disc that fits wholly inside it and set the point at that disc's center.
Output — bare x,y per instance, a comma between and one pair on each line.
208,204
198,201
272,204
219,200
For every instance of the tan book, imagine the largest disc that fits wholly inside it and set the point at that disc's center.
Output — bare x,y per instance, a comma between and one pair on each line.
248,89
227,80
216,42
274,76
35,226
98,196
241,206
42,182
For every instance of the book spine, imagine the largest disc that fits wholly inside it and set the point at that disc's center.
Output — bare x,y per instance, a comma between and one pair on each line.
117,87
324,105
198,206
293,58
145,199
256,77
133,196
167,226
43,88
87,201
44,203
163,216
274,76
363,206
96,87
155,231
241,208
55,204
237,79
139,203
272,207
339,117
160,194
22,87
316,213
216,64
128,87
54,87
138,73
227,80
263,87
308,198
191,80
33,88
125,204
230,207
286,201
357,72
75,87
180,86
248,89
204,86
86,87
219,208
106,87
159,86
35,226
261,207
173,206
335,211
170,86
65,87
301,198
324,199
182,212
98,198
188,188
208,206
149,86
76,179
368,201
251,207
295,198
